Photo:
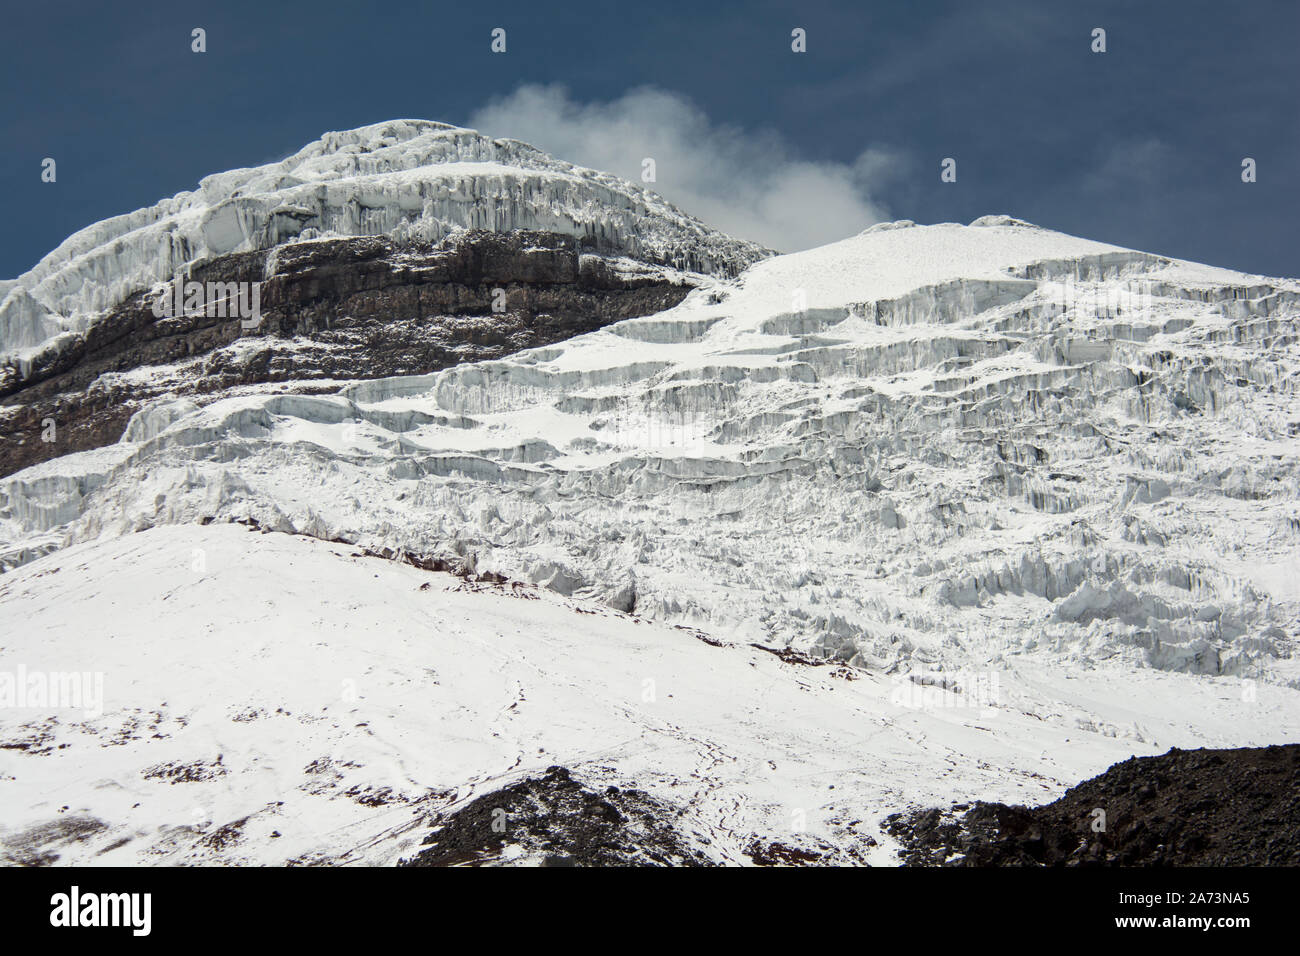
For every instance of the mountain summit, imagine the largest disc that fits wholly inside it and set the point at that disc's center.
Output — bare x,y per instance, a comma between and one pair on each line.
409,180
397,248
554,519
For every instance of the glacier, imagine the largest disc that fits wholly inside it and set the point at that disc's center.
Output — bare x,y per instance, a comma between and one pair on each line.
924,444
287,700
410,180
825,498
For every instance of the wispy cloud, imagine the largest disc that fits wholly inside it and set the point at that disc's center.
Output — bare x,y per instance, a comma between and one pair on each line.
751,184
1130,162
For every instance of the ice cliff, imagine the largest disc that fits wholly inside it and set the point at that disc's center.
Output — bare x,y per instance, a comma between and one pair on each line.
924,446
409,180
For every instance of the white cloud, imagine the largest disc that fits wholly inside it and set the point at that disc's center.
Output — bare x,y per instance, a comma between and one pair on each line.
748,184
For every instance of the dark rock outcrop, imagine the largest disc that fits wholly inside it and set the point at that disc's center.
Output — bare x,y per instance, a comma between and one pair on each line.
1182,808
332,310
565,823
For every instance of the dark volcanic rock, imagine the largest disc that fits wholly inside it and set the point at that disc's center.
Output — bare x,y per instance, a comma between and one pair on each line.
336,309
563,822
1183,808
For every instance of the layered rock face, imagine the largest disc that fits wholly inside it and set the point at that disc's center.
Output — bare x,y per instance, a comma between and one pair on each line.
923,448
380,251
331,310
411,180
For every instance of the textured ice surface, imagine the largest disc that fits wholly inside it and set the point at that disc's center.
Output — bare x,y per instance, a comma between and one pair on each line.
923,447
408,179
269,698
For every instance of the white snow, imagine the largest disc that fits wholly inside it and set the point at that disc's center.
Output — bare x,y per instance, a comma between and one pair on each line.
952,431
922,451
407,179
328,704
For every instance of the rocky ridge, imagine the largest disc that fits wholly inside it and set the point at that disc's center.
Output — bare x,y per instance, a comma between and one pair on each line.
332,311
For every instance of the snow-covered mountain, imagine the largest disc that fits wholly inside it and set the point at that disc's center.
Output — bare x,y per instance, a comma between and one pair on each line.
410,180
392,249
1035,497
269,698
917,444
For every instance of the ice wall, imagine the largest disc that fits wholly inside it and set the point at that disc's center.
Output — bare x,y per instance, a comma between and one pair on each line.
409,179
972,444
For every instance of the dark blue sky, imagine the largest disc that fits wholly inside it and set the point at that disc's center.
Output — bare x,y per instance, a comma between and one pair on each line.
1141,146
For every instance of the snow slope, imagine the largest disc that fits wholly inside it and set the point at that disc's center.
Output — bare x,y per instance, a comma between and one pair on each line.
923,445
408,179
934,453
270,698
